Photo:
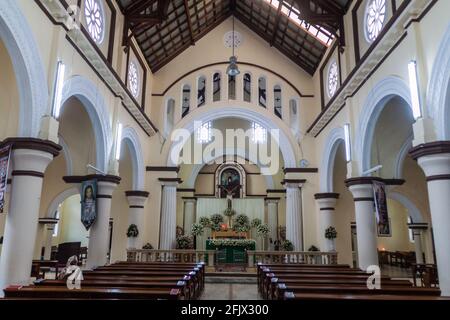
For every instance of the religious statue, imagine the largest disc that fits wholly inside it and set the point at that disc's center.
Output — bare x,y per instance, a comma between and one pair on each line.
230,184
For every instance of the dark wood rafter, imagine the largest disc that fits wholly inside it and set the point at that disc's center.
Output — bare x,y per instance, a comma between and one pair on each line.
165,28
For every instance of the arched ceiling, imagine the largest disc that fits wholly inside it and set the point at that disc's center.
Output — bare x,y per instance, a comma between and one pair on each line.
300,29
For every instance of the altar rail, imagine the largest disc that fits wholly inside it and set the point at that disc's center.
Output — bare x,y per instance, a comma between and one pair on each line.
147,255
254,257
291,257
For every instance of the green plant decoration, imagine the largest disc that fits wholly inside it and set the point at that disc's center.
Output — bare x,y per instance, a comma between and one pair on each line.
330,233
132,231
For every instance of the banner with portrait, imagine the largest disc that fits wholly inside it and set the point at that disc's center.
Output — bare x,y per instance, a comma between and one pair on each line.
383,223
88,203
4,164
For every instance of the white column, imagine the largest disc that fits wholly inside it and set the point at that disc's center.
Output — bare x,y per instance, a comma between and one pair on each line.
434,159
44,237
189,213
294,223
272,219
168,226
136,201
50,228
30,158
365,221
327,204
418,245
99,231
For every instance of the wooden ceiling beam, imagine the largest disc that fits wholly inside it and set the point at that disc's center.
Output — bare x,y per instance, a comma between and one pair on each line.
188,17
277,22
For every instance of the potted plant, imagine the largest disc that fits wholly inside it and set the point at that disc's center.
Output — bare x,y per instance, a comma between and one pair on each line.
287,245
132,231
185,242
262,231
147,246
331,234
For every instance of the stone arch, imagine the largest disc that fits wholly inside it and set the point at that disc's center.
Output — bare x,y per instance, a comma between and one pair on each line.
286,142
131,140
438,93
239,152
94,104
374,104
335,138
19,40
415,214
60,199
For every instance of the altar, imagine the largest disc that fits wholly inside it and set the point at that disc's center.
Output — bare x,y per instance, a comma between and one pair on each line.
231,250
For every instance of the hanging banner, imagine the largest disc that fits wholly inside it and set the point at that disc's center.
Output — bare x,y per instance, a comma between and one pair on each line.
4,164
88,203
383,223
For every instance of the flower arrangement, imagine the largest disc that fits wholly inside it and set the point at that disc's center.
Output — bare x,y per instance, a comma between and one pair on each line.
204,222
215,227
229,212
216,219
147,246
241,219
262,230
256,222
287,245
241,223
330,233
246,243
132,231
197,229
185,242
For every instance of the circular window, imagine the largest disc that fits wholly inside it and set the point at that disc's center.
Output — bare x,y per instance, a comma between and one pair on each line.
228,39
133,79
95,19
332,79
374,18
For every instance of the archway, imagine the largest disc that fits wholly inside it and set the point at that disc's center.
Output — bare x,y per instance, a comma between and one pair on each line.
286,142
438,93
17,37
335,139
376,101
131,140
94,104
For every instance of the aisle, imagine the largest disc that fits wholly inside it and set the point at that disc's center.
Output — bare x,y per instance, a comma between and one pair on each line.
230,289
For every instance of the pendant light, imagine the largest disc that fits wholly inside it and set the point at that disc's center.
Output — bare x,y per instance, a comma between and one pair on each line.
233,69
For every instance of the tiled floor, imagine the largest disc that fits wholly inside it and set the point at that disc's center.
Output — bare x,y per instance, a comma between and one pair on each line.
230,291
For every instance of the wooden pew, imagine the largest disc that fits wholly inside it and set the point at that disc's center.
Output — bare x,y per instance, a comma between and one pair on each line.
27,292
358,297
124,284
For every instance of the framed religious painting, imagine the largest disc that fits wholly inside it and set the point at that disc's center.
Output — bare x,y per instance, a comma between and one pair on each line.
88,203
384,229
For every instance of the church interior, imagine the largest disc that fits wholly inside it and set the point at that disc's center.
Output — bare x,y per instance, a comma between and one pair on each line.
225,149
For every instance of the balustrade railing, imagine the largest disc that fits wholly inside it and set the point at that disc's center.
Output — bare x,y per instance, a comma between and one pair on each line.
291,257
253,257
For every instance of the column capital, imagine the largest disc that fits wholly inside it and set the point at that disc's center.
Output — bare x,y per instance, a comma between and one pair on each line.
272,199
418,226
170,181
428,149
189,199
49,221
98,177
293,183
326,195
32,144
326,204
137,193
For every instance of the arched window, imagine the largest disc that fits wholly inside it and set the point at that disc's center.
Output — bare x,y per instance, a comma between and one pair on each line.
232,87
201,91
186,101
293,115
262,90
247,87
277,101
170,115
216,87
